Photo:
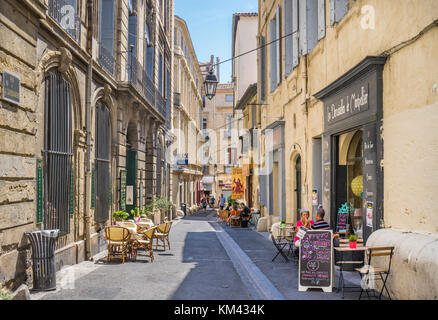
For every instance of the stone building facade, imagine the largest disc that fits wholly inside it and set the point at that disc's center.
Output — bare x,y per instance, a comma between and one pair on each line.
220,153
88,130
351,100
188,106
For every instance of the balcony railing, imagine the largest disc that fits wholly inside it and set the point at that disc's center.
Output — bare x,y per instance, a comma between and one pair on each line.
160,104
140,80
65,14
107,60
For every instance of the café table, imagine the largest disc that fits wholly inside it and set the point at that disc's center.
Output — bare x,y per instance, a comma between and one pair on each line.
283,240
342,263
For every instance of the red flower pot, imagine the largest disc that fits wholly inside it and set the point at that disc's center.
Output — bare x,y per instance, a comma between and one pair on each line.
353,244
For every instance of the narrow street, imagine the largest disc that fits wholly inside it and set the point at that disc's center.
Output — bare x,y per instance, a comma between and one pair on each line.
207,261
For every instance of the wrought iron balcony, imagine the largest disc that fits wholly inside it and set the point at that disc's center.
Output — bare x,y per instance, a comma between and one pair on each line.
65,14
140,80
107,61
160,104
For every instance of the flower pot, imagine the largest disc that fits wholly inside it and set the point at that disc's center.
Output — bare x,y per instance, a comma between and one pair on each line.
353,244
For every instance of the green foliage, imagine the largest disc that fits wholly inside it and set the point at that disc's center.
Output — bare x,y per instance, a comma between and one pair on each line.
353,237
136,212
5,296
121,215
159,203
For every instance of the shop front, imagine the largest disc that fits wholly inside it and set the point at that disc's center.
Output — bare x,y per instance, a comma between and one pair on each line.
353,149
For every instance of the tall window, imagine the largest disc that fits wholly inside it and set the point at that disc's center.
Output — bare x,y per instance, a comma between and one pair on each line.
102,163
132,36
106,48
150,52
160,73
58,174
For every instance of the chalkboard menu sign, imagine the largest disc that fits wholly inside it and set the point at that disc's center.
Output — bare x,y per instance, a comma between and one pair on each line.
316,264
343,215
369,170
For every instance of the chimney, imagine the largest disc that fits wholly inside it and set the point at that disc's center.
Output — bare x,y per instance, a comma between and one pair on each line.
218,74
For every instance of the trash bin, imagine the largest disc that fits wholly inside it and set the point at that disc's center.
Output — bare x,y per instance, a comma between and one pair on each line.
43,258
184,208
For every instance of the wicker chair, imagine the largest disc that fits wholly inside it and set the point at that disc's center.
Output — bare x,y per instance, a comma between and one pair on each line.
145,242
118,242
162,234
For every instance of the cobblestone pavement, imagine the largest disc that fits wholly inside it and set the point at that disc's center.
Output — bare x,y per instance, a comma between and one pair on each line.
207,261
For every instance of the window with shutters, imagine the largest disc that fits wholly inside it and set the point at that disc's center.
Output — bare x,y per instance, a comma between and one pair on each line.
273,55
288,40
308,25
58,153
338,9
262,68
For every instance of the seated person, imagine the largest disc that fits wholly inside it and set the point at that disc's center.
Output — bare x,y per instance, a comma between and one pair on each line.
244,214
305,222
320,224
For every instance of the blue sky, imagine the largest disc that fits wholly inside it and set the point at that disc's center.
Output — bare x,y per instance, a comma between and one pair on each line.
209,24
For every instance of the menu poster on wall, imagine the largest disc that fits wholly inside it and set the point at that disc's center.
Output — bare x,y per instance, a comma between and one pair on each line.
123,190
369,172
326,175
370,208
315,201
130,195
315,266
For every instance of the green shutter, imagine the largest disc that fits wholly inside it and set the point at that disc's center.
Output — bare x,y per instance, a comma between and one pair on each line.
39,185
93,189
123,190
72,192
110,193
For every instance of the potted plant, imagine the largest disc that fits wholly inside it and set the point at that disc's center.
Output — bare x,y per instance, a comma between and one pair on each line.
353,241
283,223
120,215
136,213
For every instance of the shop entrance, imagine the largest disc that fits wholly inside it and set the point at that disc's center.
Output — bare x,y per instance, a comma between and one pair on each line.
349,177
298,186
131,168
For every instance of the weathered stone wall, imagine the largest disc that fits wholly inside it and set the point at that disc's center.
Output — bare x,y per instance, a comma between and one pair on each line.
407,34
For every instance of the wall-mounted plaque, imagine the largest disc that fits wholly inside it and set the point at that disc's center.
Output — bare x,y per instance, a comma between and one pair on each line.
11,87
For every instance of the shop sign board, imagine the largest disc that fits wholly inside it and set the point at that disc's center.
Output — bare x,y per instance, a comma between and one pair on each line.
316,261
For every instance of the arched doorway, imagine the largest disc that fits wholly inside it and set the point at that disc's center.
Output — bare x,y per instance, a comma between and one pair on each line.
131,167
102,163
58,153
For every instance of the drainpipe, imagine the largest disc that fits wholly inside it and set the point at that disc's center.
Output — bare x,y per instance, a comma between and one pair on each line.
88,163
87,206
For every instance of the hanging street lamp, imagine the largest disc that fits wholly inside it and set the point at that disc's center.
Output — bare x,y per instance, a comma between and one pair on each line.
210,84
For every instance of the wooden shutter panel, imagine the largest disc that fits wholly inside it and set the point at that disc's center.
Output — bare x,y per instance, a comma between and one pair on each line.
278,43
273,56
262,66
288,41
338,9
295,37
321,19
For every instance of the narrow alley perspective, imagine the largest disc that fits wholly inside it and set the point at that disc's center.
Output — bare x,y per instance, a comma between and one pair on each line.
261,155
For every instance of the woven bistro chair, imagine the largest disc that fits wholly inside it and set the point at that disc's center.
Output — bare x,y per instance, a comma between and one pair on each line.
162,235
118,242
144,241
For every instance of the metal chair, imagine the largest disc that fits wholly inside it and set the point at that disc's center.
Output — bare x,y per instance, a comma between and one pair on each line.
368,273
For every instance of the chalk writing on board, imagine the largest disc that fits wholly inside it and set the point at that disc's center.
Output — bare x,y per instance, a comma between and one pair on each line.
316,259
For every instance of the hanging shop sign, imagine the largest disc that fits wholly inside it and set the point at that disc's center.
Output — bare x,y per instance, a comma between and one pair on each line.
129,195
238,184
11,86
315,266
315,197
123,190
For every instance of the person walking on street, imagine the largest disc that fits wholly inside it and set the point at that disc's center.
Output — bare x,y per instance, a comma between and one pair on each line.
204,203
222,202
